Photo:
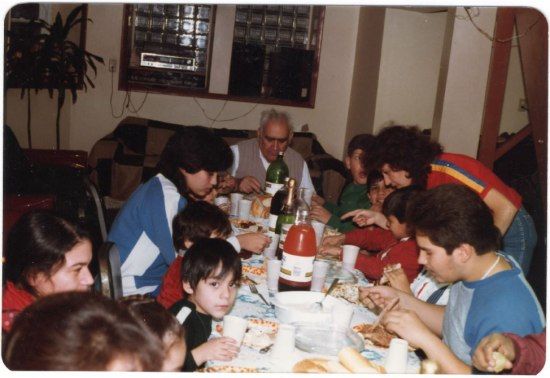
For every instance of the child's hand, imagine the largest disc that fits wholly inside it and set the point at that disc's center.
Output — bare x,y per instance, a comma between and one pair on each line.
398,280
407,325
330,250
221,349
253,241
319,213
483,356
365,218
316,200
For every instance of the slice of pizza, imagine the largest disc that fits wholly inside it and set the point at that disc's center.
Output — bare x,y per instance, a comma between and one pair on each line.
347,291
376,335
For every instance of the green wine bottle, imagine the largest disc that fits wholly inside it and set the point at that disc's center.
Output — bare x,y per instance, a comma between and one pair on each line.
276,174
287,216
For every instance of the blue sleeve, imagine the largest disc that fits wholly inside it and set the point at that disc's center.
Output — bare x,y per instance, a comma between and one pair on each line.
153,217
517,312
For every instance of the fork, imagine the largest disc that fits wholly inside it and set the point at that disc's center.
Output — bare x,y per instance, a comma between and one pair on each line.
254,290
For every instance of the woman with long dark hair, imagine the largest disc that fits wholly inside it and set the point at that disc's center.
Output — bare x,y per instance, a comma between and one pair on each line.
45,254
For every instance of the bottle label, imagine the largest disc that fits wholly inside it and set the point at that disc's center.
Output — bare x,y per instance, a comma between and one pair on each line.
296,268
272,222
271,188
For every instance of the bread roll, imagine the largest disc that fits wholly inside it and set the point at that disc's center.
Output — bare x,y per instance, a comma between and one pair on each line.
319,365
260,206
353,361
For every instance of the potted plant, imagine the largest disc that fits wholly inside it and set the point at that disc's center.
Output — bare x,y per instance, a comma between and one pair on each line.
55,62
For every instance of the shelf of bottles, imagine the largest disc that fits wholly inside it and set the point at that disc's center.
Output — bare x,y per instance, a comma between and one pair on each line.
169,44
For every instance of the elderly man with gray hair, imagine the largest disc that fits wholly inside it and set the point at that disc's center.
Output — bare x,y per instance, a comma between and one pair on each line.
252,157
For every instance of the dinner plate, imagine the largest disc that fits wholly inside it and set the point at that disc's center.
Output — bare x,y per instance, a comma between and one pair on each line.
326,339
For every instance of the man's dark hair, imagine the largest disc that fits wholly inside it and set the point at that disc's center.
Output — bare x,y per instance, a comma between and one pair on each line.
199,220
451,215
79,331
37,243
404,148
397,201
193,149
205,256
361,142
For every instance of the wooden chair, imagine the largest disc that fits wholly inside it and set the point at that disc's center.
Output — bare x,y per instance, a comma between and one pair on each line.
109,279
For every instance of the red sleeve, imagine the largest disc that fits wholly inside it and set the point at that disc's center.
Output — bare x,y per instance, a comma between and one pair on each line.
376,239
171,289
461,169
405,253
530,353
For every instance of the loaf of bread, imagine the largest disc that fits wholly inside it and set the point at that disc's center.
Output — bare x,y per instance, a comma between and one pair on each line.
319,365
354,362
260,206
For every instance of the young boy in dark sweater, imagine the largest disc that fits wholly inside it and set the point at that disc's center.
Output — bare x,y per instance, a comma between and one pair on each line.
210,274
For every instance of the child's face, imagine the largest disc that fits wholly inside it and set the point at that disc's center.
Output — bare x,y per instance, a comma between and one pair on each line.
397,179
175,354
378,193
354,164
435,259
399,230
200,184
213,296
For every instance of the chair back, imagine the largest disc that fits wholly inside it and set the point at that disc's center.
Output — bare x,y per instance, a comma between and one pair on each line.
110,278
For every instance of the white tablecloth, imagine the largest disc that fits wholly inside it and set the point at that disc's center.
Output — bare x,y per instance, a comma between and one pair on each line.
249,305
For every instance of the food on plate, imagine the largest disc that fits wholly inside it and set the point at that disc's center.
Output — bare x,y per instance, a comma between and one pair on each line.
254,270
329,231
258,338
228,369
347,291
260,206
248,226
318,365
376,335
388,268
260,333
354,362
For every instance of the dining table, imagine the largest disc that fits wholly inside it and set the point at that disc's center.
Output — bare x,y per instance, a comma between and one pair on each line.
250,306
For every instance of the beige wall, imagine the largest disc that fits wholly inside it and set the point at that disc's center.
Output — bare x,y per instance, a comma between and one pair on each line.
365,77
409,67
403,91
464,97
91,118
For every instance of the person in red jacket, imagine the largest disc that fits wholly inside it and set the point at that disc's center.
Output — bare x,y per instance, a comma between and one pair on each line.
198,220
45,254
392,240
524,355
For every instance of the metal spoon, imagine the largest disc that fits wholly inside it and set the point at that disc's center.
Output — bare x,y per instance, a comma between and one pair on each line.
318,306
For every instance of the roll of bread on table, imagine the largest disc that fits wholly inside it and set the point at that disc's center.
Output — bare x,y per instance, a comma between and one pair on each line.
353,361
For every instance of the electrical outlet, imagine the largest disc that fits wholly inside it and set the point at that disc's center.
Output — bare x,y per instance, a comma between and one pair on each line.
112,65
522,105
